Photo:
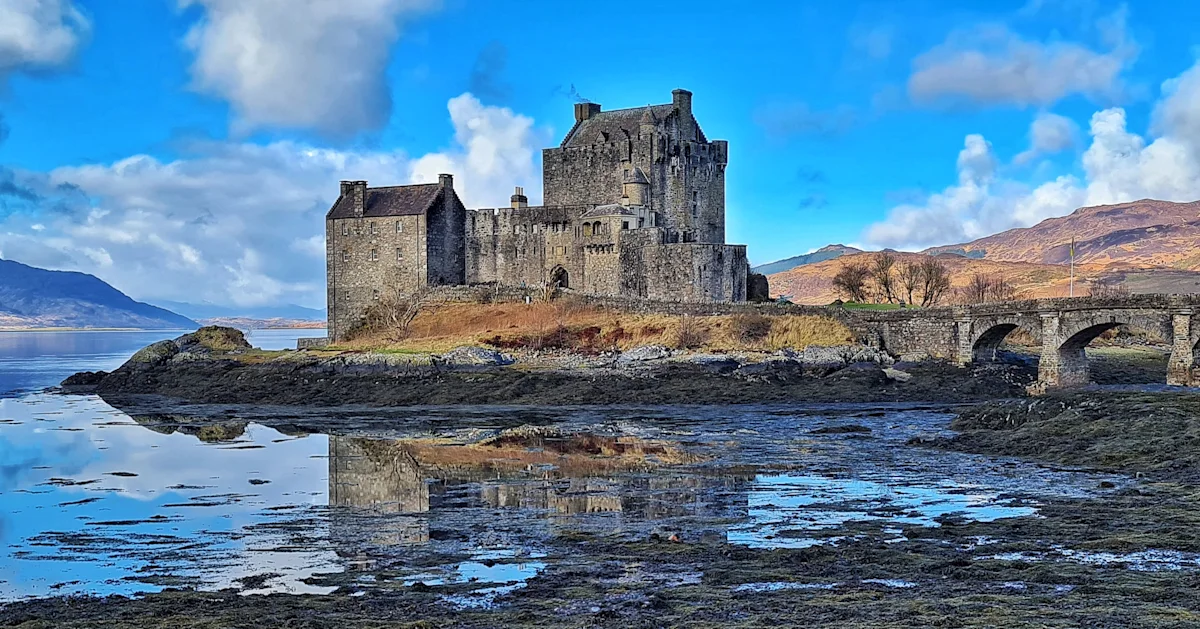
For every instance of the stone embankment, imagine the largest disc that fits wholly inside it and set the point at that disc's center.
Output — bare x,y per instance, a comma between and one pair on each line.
216,365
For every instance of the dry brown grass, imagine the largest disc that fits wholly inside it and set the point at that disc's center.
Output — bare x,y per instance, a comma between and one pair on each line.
569,324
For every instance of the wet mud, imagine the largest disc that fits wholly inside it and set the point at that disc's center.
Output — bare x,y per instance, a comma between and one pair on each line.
836,515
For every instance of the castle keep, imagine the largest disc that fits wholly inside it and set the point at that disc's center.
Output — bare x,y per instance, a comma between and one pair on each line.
634,207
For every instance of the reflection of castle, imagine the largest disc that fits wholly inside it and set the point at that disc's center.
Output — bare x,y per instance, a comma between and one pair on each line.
390,478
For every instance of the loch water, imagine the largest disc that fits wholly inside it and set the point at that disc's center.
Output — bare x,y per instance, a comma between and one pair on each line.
96,501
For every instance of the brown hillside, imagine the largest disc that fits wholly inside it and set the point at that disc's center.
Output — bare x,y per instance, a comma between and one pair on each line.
813,283
1139,234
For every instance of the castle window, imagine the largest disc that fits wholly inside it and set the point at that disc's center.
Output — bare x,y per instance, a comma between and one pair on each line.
375,294
624,224
372,227
399,254
400,225
587,229
345,256
345,229
374,255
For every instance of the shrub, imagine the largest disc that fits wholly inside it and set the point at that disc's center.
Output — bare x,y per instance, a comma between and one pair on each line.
750,327
689,333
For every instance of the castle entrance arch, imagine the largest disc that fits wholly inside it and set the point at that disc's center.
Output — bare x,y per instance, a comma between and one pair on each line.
559,278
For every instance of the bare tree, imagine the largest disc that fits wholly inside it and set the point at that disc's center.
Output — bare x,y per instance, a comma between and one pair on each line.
935,281
977,289
1000,289
910,280
881,272
851,281
1107,289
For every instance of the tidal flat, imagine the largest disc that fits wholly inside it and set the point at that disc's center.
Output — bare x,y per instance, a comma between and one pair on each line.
837,515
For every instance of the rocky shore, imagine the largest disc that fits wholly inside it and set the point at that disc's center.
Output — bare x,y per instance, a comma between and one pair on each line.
216,366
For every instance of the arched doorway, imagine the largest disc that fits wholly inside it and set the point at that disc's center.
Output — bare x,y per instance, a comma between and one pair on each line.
559,278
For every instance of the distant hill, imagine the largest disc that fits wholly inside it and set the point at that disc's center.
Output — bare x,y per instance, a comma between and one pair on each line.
1139,234
213,311
37,298
828,252
246,323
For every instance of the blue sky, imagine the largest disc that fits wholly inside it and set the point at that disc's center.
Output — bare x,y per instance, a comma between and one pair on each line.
187,149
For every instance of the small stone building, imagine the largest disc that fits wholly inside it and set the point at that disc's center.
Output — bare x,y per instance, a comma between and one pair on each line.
634,207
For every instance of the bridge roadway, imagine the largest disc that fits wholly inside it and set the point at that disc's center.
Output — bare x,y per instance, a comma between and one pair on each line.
1065,326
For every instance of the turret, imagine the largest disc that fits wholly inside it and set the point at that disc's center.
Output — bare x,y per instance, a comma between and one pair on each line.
635,190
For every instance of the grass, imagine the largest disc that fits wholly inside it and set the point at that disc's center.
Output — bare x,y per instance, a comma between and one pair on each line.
567,324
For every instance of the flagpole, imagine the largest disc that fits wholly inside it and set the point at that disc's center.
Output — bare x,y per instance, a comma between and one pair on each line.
1072,289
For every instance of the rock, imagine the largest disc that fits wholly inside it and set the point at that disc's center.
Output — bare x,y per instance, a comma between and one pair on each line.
84,379
644,353
718,363
213,338
475,356
155,353
897,375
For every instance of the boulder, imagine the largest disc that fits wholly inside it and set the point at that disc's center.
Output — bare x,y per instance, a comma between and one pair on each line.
213,338
155,353
644,353
476,356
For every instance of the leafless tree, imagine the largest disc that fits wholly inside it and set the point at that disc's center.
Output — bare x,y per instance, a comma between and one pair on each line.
1107,289
851,281
882,265
977,289
1000,289
910,280
935,281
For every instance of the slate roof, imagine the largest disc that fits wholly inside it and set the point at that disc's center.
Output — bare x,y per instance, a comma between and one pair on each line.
613,123
390,201
611,209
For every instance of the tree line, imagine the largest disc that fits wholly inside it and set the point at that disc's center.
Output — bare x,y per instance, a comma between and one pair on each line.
883,278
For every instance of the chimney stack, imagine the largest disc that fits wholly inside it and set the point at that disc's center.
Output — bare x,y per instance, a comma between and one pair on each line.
519,200
446,181
359,190
583,111
347,186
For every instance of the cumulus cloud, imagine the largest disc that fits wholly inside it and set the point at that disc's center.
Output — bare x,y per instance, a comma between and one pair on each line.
241,223
39,35
991,65
1118,166
1049,134
300,63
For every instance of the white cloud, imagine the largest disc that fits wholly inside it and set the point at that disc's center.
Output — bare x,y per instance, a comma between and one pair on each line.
300,63
240,223
991,65
1049,134
1118,166
39,35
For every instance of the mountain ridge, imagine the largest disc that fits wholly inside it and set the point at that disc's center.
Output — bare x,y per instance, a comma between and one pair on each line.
31,297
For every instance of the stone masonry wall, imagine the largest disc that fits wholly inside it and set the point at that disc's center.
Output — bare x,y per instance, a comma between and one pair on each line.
365,258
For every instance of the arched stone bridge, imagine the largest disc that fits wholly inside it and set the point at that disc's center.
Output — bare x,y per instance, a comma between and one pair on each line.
968,334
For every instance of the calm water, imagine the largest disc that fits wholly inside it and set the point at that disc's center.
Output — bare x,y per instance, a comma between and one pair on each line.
95,501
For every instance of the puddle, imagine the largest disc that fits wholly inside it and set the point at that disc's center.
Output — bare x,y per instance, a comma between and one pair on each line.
1152,560
463,499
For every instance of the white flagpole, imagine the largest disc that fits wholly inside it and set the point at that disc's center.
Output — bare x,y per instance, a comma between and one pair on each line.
1072,266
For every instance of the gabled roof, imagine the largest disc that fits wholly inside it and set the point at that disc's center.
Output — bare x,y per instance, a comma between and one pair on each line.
389,201
611,209
610,126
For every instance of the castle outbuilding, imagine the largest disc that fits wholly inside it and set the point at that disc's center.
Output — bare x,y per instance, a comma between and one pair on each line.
634,207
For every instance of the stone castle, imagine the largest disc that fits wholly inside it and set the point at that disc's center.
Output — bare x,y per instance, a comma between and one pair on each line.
634,207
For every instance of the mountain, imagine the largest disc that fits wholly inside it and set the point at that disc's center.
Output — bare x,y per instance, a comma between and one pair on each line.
37,298
212,311
1140,234
828,252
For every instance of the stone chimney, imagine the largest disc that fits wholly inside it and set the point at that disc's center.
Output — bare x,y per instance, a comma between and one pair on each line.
347,186
583,111
446,181
682,99
359,192
519,200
